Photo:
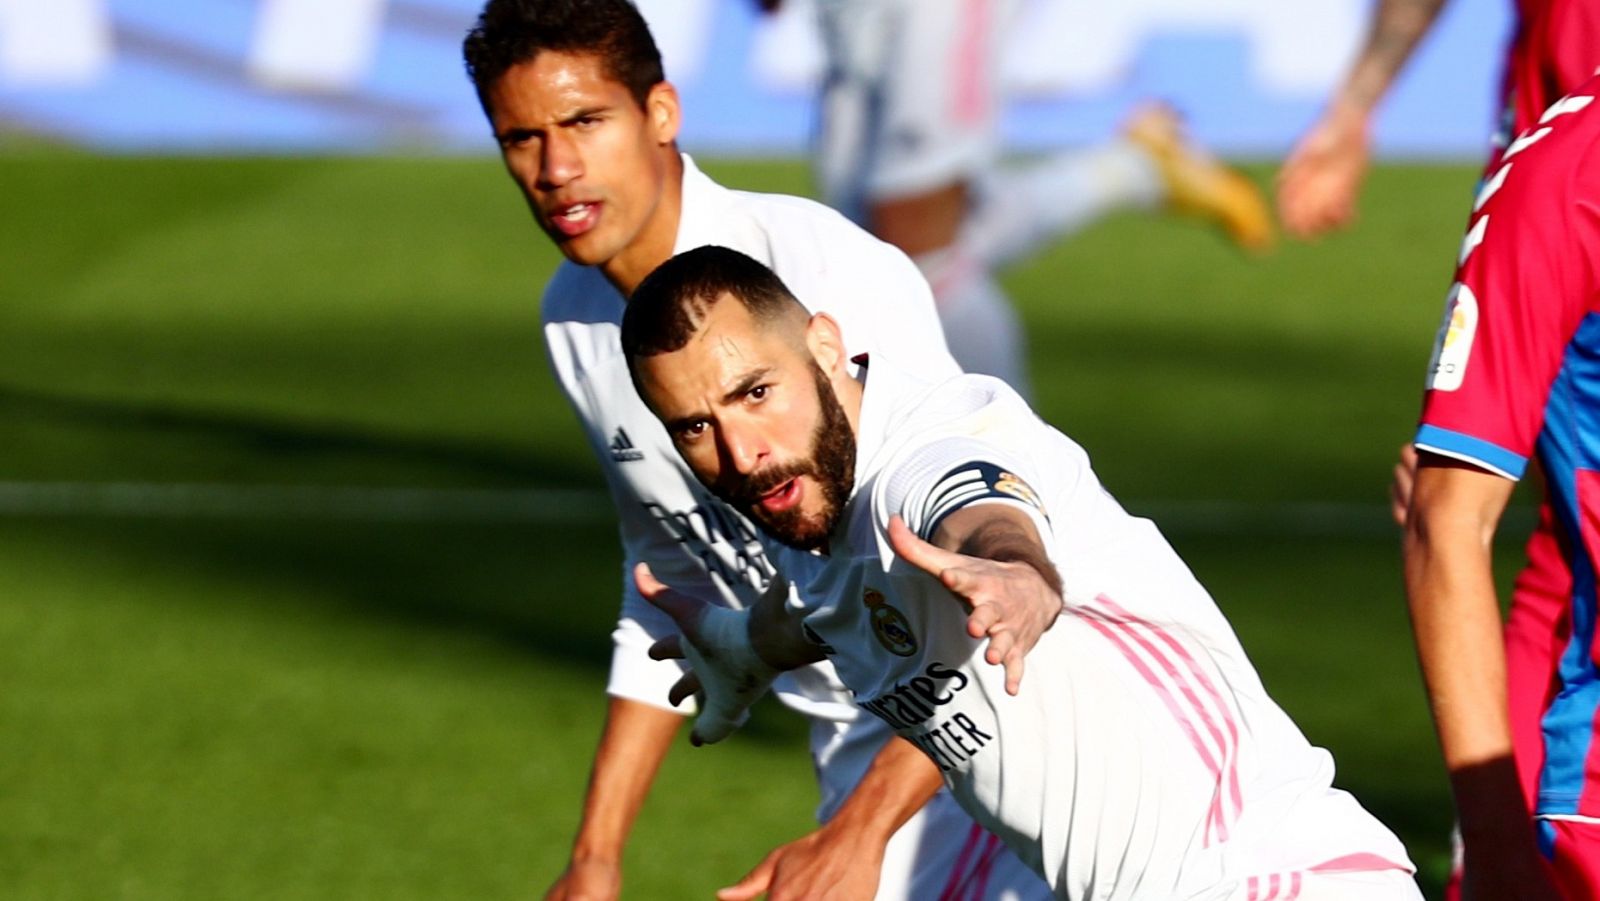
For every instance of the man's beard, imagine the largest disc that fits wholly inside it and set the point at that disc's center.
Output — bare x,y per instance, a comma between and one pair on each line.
831,465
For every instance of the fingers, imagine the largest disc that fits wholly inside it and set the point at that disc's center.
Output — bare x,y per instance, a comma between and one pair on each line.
755,883
684,688
924,556
669,648
684,609
1014,660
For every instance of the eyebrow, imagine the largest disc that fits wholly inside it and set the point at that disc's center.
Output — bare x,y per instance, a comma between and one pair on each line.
746,382
568,119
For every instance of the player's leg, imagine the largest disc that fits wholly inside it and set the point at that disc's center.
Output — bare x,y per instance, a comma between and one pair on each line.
1149,165
978,317
942,853
922,73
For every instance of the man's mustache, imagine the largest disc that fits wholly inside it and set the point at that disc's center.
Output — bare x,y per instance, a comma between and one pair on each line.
750,491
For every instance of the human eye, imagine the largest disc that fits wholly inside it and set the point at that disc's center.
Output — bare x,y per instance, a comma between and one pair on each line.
692,431
759,393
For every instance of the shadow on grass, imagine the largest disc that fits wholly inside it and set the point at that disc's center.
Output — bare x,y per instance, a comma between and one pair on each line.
281,441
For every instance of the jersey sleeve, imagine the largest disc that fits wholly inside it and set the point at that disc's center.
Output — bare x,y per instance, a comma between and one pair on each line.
950,474
1523,286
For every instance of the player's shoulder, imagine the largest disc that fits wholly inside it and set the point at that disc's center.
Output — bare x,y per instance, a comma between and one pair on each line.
789,221
580,295
582,316
956,441
1557,161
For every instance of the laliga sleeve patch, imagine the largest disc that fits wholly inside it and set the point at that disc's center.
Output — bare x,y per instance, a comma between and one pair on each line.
1453,347
971,482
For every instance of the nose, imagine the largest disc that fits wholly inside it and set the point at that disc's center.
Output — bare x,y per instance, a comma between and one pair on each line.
743,450
560,162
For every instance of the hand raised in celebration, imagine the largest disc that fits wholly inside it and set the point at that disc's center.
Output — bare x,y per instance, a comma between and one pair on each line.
724,668
1011,600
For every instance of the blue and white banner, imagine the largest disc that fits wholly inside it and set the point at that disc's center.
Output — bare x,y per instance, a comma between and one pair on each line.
386,75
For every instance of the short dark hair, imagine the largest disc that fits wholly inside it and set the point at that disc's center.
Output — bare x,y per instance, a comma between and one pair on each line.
512,32
668,306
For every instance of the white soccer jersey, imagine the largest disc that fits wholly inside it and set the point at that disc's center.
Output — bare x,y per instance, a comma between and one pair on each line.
697,544
1142,757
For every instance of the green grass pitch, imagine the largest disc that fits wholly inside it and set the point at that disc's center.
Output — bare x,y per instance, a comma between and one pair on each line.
302,707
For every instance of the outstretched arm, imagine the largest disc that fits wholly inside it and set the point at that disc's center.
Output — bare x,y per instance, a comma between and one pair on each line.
991,557
1455,509
1318,184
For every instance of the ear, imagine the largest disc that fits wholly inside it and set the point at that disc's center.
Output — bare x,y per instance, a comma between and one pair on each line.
661,108
826,342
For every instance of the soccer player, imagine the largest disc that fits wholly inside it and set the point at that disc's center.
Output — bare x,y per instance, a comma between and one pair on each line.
909,146
586,122
1555,48
1513,377
1124,747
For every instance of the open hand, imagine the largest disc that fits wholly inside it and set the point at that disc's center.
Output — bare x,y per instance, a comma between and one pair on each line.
1011,603
724,668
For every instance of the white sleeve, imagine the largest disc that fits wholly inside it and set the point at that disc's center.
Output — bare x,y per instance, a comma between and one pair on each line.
946,475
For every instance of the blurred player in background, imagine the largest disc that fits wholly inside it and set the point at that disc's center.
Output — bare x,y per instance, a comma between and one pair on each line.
1556,46
1513,376
586,123
910,147
1124,746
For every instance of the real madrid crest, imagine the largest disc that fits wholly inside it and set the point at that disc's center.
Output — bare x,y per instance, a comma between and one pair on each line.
889,625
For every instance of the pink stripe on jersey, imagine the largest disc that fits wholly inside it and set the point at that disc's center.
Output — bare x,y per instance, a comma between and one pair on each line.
957,872
1185,678
1214,817
1356,862
972,90
1210,688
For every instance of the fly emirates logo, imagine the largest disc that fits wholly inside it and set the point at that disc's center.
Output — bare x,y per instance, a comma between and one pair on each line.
913,707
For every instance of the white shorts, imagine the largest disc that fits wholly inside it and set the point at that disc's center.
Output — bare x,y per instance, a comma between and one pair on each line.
942,853
910,101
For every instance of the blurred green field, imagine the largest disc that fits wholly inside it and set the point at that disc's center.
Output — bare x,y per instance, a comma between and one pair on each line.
342,706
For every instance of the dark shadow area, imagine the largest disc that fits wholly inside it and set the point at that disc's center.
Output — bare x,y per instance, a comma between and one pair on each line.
285,440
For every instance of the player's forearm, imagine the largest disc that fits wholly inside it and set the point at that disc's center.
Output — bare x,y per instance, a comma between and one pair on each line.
633,743
899,782
1397,27
1001,534
1460,644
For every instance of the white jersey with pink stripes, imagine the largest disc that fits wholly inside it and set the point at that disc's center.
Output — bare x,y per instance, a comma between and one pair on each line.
1142,757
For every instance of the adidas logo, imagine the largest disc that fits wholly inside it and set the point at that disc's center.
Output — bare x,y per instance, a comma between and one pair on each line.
622,449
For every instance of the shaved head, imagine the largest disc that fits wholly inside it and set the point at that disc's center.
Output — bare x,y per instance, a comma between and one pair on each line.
671,304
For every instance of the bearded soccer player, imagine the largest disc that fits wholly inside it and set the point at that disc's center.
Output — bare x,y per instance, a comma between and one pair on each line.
586,123
1513,378
1119,741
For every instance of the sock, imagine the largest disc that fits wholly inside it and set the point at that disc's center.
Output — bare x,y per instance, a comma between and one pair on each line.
1021,207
